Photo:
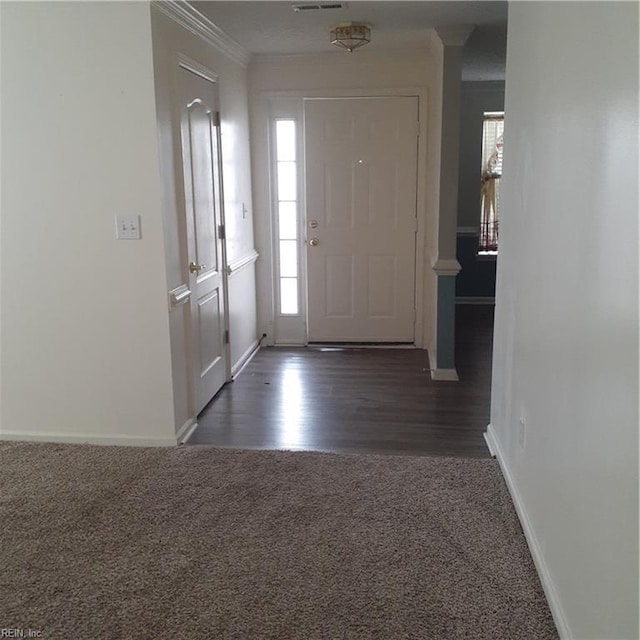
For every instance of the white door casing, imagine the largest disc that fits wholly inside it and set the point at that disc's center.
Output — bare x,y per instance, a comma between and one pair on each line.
205,255
361,181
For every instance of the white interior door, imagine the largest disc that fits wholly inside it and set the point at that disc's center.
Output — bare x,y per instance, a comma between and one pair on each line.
204,262
361,164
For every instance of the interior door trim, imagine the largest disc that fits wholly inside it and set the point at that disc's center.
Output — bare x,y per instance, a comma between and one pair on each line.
185,62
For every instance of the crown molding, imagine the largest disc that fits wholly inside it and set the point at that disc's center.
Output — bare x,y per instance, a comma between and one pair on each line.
454,36
197,23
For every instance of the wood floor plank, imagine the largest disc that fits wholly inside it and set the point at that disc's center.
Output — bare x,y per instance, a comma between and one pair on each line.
359,400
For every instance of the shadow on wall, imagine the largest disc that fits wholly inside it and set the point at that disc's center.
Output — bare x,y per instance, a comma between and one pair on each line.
477,277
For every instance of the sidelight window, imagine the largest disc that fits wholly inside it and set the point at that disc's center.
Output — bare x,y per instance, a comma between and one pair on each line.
287,210
492,134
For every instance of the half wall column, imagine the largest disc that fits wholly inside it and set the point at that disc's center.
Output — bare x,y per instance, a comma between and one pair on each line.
446,266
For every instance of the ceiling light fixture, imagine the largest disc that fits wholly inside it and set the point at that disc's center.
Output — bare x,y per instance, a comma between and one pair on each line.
317,7
350,35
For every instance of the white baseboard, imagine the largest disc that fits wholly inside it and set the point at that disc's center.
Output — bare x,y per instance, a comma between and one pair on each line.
550,592
450,375
433,365
116,439
359,345
244,359
489,439
186,431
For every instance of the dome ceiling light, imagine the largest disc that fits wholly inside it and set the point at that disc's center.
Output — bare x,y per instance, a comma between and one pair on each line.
351,35
317,7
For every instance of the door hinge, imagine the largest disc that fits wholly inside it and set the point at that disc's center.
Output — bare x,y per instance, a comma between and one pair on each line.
221,232
226,336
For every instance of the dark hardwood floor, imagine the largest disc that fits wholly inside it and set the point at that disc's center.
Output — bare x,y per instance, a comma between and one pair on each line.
359,400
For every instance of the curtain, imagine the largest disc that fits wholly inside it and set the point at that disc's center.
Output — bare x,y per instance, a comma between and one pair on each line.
490,183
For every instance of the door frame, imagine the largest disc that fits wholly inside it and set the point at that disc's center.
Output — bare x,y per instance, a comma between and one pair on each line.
190,65
282,330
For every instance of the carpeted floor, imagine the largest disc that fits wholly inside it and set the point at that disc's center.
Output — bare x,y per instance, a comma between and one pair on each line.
201,543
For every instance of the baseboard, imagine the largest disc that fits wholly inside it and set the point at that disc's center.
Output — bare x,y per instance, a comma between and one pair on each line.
186,431
449,375
360,345
433,365
475,300
489,438
244,359
117,439
550,592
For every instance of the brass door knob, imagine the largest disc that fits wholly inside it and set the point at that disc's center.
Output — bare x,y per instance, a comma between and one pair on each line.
196,268
314,242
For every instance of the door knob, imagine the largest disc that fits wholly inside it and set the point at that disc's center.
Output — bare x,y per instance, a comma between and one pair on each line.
196,268
314,242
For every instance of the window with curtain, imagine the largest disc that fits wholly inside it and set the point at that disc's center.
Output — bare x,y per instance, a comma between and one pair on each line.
492,134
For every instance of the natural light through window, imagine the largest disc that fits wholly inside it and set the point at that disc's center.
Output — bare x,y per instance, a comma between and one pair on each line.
292,401
287,203
492,134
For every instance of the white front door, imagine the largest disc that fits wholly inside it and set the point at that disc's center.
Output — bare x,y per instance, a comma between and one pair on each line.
204,259
361,164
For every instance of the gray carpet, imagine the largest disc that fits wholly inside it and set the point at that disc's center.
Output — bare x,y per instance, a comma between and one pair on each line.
201,543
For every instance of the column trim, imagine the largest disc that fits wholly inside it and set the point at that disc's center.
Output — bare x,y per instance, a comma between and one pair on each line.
446,267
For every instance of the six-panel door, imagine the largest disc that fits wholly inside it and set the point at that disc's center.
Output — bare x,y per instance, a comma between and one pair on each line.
361,163
204,262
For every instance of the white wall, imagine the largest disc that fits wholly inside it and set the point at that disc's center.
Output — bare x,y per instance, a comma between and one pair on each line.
341,74
242,314
169,40
85,349
566,334
1,174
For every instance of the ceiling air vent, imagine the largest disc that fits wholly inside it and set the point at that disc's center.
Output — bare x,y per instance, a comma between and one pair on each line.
318,6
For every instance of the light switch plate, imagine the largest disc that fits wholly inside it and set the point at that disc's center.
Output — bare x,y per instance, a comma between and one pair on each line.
128,227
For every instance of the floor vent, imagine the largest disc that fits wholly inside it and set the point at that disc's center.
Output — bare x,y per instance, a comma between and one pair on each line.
318,6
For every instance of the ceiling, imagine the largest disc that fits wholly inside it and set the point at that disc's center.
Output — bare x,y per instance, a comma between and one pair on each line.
272,27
